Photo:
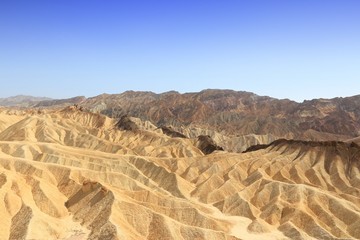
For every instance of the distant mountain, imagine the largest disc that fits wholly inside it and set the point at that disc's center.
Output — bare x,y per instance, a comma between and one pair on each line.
238,113
60,102
230,113
21,101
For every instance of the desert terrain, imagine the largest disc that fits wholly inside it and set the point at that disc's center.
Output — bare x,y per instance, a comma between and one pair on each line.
209,165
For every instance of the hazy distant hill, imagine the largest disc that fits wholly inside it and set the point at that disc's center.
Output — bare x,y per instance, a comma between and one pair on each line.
60,102
21,101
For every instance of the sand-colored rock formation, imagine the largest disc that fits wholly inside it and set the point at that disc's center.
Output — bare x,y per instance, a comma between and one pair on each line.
71,174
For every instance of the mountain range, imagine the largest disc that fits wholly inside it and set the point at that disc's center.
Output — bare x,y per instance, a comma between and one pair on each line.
225,114
21,101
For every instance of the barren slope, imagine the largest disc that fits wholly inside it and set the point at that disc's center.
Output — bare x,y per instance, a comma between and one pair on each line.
238,113
71,174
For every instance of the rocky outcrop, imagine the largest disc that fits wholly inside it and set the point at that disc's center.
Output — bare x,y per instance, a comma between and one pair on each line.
125,123
207,145
171,132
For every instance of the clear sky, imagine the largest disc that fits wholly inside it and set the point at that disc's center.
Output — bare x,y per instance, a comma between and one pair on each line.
297,49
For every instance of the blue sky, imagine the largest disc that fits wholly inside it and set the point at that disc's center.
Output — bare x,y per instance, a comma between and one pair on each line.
298,49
